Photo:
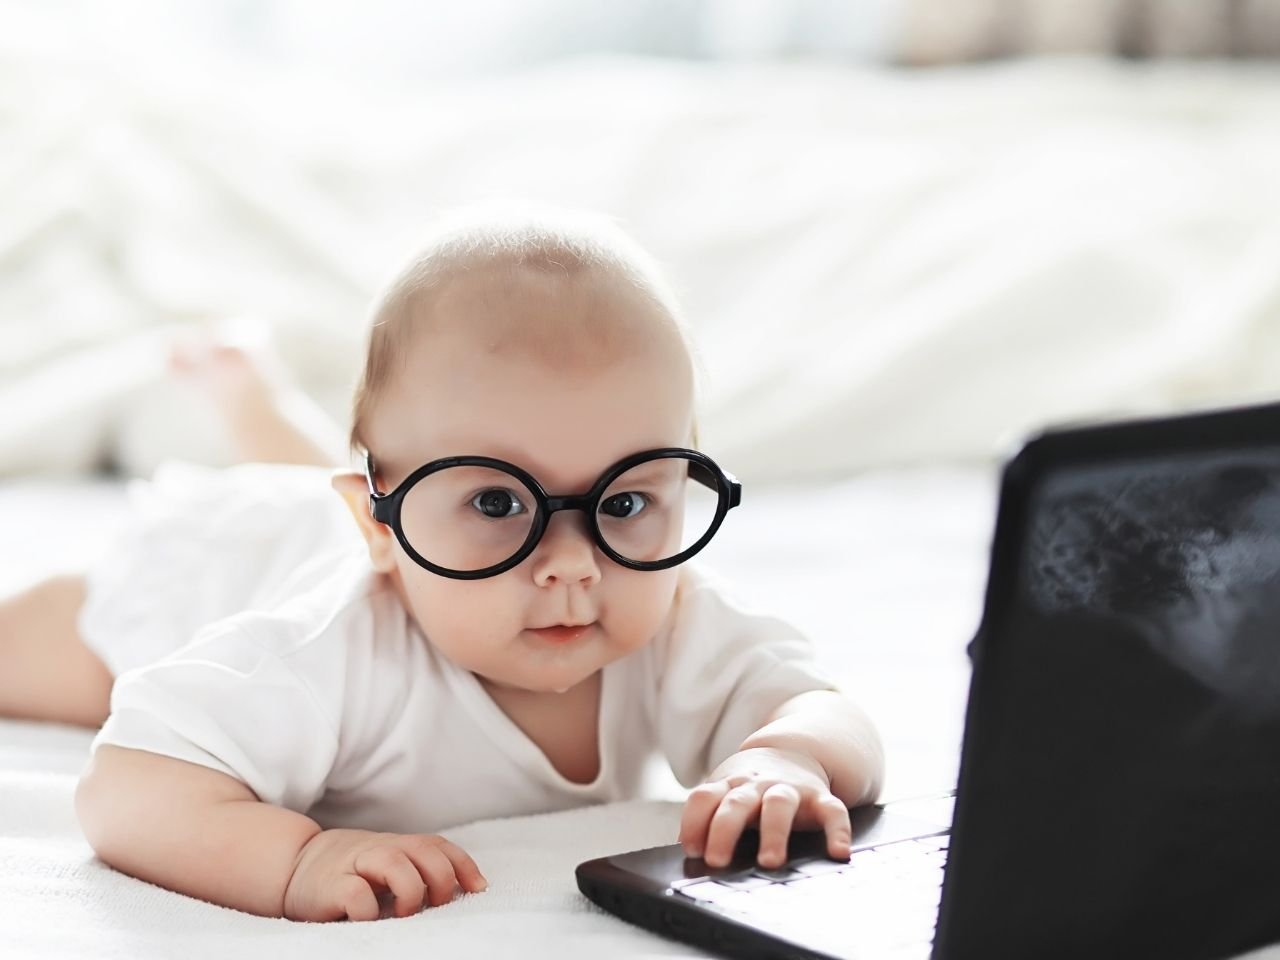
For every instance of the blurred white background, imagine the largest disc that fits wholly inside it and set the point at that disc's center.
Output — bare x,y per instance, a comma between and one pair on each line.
884,264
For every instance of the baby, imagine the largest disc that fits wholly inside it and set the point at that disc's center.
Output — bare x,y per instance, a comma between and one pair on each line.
510,626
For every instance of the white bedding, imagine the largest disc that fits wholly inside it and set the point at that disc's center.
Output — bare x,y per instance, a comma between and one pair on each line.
884,571
882,267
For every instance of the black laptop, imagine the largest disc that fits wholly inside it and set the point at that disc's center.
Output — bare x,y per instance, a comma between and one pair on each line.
1119,787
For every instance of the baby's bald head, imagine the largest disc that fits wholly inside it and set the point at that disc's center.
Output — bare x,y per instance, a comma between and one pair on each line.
568,291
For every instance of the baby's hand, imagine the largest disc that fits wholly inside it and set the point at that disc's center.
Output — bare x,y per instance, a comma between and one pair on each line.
782,788
343,874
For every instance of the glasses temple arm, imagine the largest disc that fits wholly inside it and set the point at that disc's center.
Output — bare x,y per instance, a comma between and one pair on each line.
704,475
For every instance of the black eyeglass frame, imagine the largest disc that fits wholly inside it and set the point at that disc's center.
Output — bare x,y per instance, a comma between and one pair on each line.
385,507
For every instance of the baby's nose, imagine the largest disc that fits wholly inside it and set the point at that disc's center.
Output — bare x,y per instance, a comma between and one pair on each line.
567,552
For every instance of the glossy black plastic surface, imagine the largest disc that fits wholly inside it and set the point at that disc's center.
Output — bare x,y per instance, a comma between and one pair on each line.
1119,792
636,886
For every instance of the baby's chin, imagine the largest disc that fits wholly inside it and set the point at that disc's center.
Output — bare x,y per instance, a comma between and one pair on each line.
546,681
558,674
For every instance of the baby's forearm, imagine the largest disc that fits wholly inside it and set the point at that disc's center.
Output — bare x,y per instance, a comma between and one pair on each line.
190,829
837,734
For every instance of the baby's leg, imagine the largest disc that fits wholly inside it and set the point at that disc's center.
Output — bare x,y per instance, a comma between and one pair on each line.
271,420
46,671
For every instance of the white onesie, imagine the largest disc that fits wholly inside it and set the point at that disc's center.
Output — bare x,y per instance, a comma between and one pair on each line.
326,698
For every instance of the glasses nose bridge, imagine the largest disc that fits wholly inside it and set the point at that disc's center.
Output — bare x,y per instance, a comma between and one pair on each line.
577,502
580,502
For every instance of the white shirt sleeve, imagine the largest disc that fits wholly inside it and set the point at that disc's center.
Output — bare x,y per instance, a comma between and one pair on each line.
263,712
721,670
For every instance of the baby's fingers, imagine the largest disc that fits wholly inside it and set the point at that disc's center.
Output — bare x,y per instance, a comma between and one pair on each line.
351,898
468,873
390,869
696,818
738,808
444,865
777,813
833,816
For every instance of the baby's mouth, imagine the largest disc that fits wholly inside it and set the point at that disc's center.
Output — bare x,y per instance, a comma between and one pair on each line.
559,633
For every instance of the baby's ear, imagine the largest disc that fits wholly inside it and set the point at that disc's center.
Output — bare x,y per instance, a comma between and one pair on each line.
380,538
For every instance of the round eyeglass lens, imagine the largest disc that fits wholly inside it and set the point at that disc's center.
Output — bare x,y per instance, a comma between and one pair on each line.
468,517
658,509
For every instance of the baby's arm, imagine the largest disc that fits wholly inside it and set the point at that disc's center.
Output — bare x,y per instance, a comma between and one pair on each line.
203,833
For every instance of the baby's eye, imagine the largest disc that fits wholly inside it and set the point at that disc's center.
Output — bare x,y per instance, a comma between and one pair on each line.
623,506
498,503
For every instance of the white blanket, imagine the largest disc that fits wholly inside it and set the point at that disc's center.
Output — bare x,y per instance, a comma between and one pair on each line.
57,900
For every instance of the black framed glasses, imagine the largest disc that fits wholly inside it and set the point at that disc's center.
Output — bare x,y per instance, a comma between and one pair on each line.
473,517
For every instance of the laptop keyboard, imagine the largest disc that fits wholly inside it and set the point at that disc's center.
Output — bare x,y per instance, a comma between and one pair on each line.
882,902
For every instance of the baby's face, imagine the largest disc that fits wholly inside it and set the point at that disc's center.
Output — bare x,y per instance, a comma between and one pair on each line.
474,389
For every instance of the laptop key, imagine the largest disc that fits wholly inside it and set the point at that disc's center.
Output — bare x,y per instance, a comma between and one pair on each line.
778,875
778,898
932,843
708,891
835,885
741,881
815,868
902,853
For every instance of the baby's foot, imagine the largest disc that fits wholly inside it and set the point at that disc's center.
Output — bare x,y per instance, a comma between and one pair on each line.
268,417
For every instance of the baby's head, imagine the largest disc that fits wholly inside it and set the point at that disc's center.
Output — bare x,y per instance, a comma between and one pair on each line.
549,342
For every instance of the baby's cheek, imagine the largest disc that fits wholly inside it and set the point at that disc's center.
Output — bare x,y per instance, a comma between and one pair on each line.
639,613
456,615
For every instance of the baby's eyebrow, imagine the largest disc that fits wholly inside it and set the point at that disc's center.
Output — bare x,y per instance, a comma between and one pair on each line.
654,469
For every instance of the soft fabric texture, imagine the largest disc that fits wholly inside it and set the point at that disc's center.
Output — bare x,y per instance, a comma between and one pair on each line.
57,900
881,267
258,526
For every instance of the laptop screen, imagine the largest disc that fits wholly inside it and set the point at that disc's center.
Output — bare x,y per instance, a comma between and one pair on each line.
1120,786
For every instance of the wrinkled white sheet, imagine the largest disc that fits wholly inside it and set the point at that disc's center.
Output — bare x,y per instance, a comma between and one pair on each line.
881,267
